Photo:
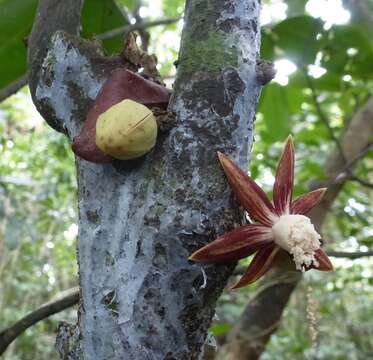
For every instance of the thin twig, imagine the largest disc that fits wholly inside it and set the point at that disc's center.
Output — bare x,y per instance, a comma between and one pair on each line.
361,181
350,255
323,117
144,34
365,151
138,26
8,335
13,87
336,254
347,173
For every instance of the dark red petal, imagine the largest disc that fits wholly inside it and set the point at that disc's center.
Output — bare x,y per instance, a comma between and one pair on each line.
284,181
122,84
306,202
248,193
234,245
323,260
261,263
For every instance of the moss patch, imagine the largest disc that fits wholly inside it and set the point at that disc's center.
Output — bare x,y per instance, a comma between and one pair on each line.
209,55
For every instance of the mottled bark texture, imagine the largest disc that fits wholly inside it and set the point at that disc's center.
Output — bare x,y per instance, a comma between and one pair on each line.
262,314
140,220
51,16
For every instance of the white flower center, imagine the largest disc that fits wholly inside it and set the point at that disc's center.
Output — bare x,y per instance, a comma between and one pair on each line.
297,235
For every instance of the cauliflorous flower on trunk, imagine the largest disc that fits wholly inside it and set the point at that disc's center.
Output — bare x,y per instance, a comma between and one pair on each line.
281,225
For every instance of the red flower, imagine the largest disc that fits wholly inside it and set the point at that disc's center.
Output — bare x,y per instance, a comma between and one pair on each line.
281,225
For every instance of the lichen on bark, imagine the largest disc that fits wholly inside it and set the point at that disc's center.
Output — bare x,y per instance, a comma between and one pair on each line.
209,55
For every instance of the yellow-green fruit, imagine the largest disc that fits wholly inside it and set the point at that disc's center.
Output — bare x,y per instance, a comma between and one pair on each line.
126,130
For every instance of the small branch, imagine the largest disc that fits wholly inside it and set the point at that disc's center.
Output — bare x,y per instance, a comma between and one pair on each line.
18,181
336,254
322,116
52,17
138,26
365,151
347,173
8,335
144,34
13,87
350,255
361,181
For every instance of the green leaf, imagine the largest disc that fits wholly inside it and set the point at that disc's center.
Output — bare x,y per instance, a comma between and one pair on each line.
267,49
128,4
274,106
220,329
329,82
342,39
296,7
297,37
99,16
16,18
173,8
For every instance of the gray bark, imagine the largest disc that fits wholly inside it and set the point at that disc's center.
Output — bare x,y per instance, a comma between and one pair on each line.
263,312
140,220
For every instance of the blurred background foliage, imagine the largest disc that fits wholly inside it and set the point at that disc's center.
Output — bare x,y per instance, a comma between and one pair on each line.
323,52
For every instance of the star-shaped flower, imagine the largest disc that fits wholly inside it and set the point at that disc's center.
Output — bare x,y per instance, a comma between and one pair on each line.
281,225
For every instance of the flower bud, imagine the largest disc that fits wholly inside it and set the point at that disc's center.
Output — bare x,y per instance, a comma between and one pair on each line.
127,130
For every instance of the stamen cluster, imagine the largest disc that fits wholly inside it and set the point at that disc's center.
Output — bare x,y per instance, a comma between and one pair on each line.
297,235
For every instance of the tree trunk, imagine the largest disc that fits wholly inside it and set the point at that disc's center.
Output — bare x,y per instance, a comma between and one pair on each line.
140,220
262,314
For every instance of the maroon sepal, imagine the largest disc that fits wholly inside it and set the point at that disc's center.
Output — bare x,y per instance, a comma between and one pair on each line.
122,84
234,245
260,264
323,260
284,180
306,202
248,193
